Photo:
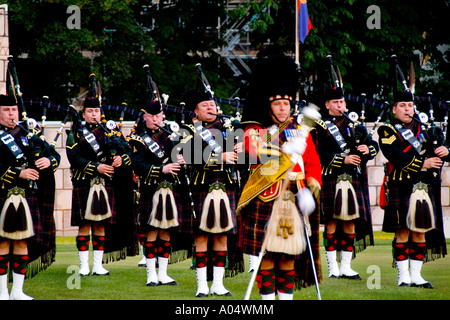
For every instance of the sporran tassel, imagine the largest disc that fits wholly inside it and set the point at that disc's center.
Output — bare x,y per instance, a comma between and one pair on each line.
351,203
426,221
338,201
288,235
10,218
223,214
169,209
210,220
21,217
95,203
103,204
159,208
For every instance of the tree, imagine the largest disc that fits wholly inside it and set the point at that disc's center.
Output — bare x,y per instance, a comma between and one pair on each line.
361,53
117,38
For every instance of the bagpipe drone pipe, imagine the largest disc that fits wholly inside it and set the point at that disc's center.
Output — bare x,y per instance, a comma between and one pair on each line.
230,123
381,108
30,126
436,131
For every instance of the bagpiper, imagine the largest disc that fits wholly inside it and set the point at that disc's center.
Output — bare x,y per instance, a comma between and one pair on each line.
212,223
159,191
282,186
411,193
344,147
24,157
93,157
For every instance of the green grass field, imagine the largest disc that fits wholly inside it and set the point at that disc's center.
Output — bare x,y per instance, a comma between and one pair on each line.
127,280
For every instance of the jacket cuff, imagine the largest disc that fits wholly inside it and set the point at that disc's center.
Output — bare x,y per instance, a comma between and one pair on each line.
10,175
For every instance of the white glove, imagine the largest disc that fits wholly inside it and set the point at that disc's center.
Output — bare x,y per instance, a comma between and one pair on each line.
296,145
306,201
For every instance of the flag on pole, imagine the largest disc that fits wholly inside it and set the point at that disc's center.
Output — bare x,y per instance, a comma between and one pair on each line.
304,23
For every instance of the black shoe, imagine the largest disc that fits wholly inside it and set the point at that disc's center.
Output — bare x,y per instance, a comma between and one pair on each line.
171,283
404,284
354,277
152,284
201,295
228,294
425,285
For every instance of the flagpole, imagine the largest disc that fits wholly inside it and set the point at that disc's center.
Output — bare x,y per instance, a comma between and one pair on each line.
297,45
297,48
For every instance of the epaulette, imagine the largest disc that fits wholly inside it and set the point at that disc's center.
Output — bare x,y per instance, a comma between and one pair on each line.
190,127
137,139
249,123
388,125
322,123
72,139
186,135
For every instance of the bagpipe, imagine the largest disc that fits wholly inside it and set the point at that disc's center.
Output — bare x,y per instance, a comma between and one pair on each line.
380,104
34,132
116,144
437,134
152,93
230,123
172,129
356,131
13,86
432,136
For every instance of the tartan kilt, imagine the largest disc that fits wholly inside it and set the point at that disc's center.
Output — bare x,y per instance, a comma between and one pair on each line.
189,224
327,195
33,203
398,204
46,197
253,221
145,207
79,201
254,218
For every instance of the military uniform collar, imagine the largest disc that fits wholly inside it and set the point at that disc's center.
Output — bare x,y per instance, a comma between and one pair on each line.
91,126
400,124
5,128
151,131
